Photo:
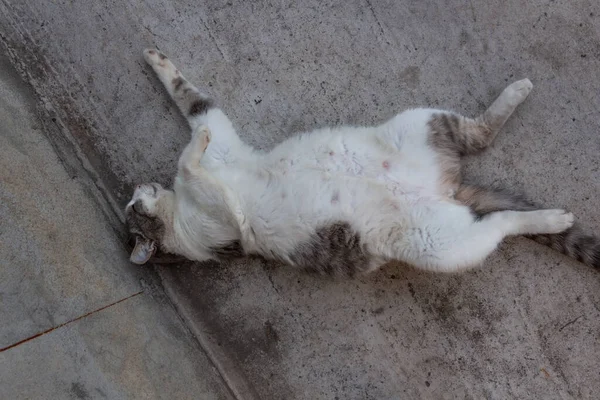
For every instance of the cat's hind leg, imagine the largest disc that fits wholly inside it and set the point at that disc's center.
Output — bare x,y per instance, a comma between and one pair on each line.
454,134
575,242
462,244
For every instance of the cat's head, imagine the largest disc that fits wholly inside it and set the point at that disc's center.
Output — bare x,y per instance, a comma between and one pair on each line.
148,216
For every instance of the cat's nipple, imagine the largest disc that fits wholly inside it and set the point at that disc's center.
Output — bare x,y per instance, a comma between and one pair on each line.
385,165
335,198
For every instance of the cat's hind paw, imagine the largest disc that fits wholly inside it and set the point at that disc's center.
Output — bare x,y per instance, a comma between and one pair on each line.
554,221
518,91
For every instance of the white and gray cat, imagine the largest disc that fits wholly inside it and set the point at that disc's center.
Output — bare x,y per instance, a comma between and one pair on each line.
340,200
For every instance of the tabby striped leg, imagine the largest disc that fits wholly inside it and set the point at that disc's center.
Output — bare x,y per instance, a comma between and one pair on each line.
200,110
503,107
193,104
454,134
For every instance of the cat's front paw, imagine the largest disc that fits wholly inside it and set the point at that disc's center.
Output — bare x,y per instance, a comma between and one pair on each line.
154,57
203,136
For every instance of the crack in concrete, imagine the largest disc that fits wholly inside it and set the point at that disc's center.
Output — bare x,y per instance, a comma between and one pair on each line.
214,40
37,335
383,35
570,323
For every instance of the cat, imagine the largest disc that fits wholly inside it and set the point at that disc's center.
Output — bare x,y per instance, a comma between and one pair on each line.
340,201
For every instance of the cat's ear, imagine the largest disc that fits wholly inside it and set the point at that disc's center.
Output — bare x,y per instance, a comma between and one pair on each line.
143,250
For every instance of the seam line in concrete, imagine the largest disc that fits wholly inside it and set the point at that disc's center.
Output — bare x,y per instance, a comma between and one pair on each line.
68,322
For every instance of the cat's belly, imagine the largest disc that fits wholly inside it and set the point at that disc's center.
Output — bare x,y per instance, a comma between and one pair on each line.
359,177
300,214
302,200
399,173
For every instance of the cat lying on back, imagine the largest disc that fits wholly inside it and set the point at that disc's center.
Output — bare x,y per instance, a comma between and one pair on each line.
341,200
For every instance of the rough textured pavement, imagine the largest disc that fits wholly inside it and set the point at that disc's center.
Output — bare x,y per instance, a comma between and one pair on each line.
77,320
524,326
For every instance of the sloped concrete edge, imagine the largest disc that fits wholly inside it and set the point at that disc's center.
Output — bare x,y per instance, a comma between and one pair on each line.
232,375
76,161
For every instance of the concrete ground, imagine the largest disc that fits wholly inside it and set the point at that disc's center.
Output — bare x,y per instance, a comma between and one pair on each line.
525,326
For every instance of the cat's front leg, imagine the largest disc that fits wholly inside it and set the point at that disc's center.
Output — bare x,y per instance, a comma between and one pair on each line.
206,189
199,109
194,104
189,162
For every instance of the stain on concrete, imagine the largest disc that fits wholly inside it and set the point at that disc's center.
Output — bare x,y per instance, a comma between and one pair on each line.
79,391
464,38
411,76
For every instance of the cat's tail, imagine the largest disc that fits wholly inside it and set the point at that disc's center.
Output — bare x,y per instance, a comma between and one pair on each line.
575,242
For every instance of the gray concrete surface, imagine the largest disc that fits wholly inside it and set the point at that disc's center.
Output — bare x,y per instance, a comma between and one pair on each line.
525,326
76,319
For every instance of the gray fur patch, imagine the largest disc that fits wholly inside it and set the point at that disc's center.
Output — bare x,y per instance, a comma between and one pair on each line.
228,251
445,133
200,106
177,82
453,134
335,249
144,225
483,201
